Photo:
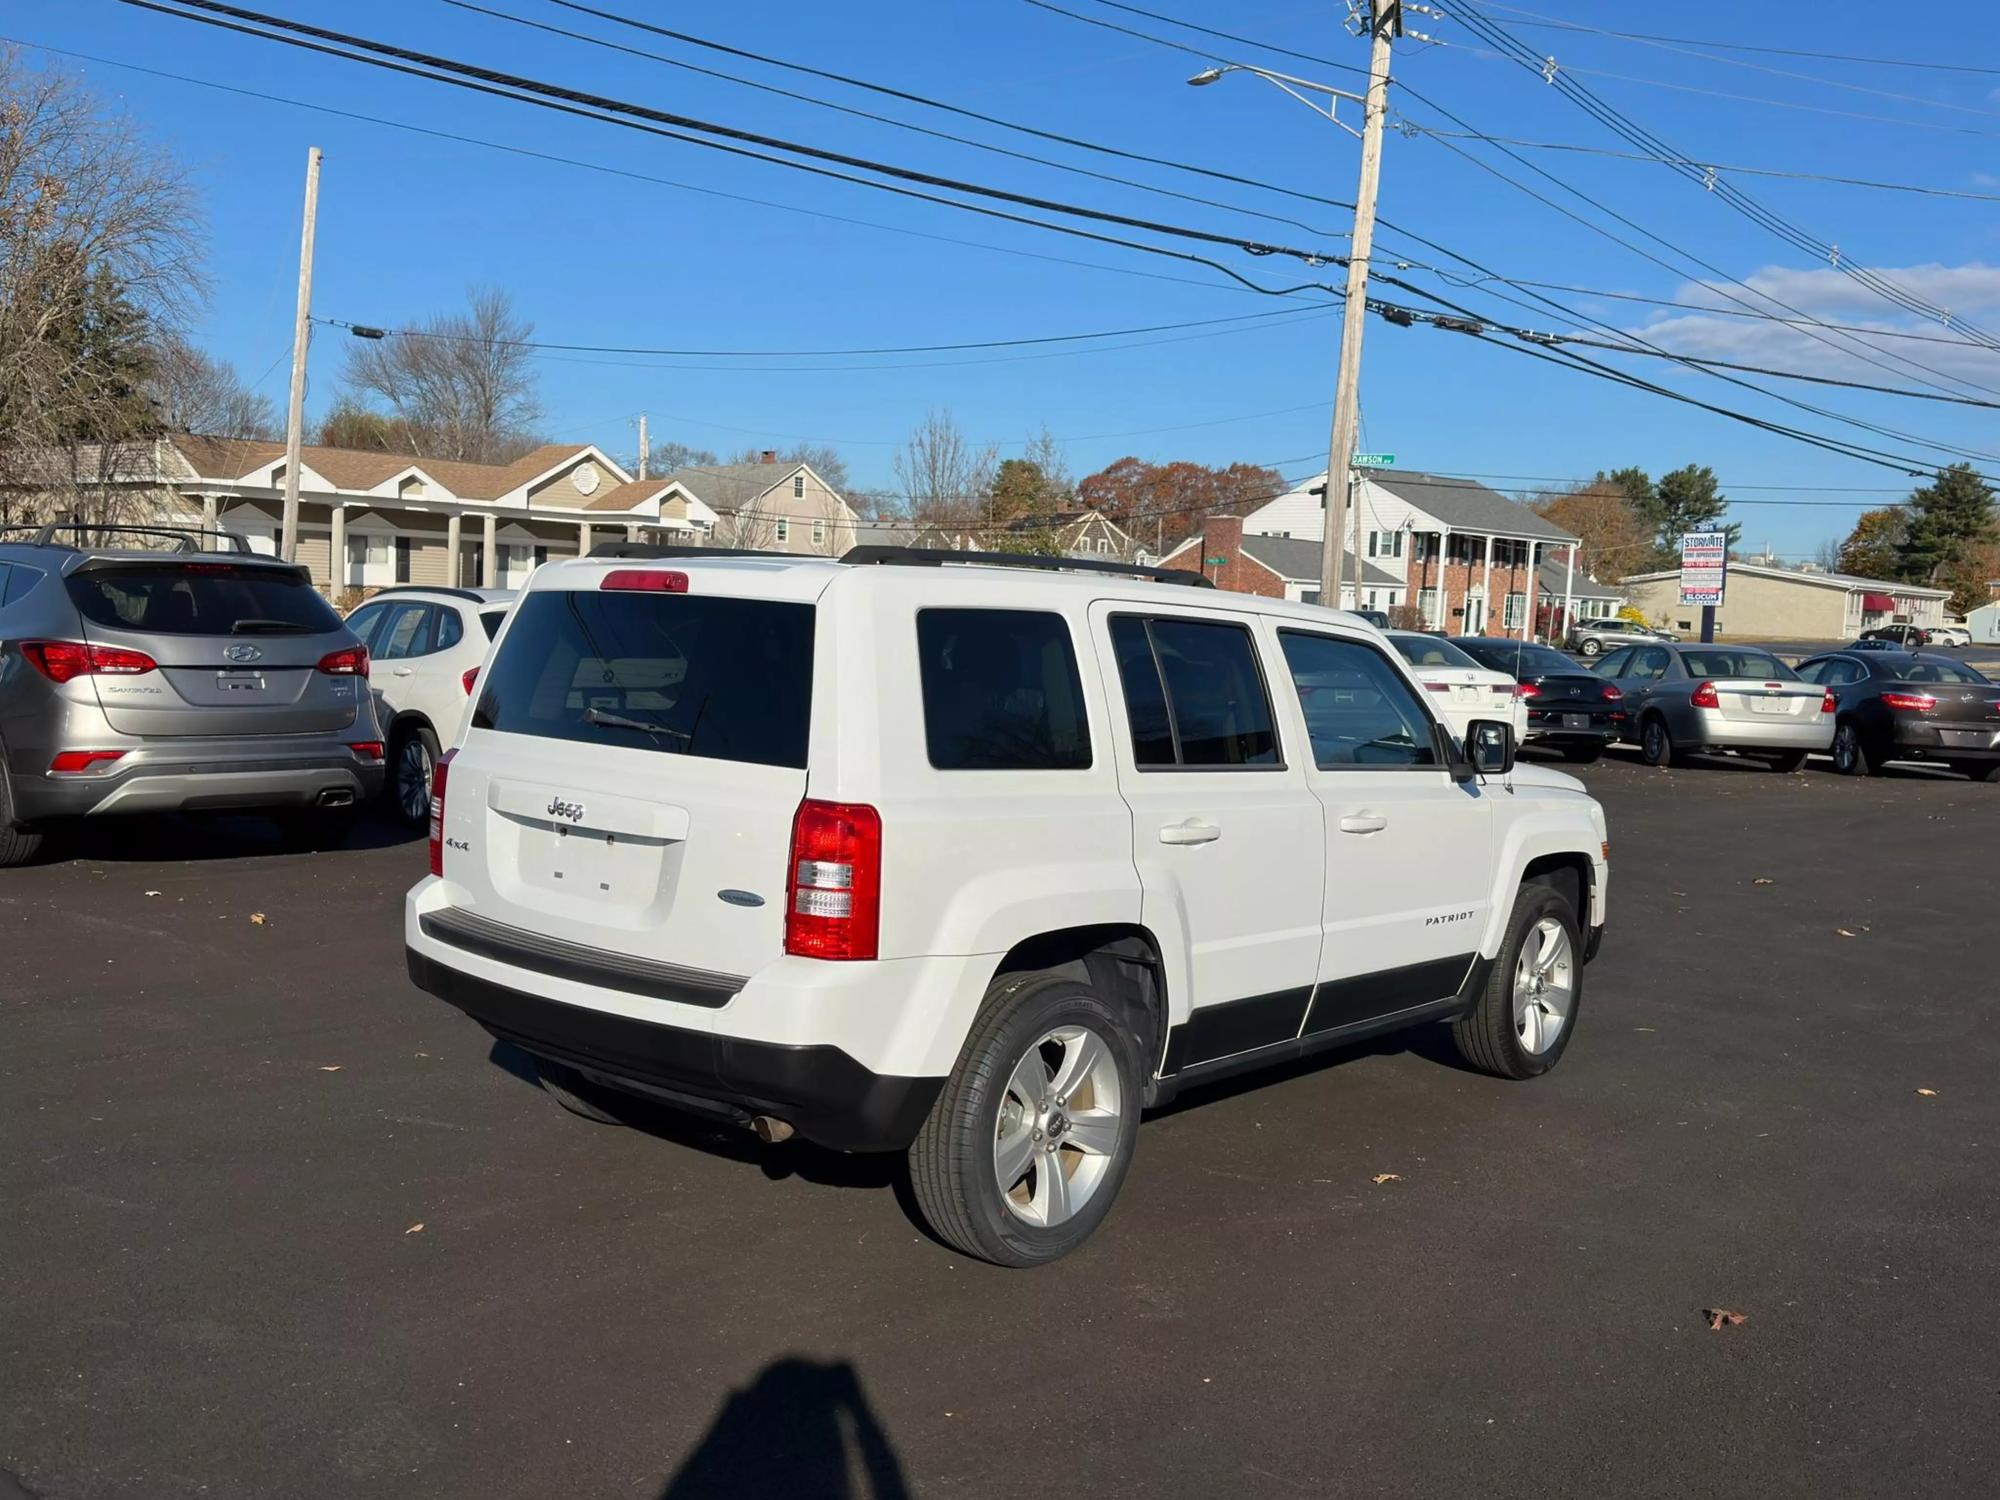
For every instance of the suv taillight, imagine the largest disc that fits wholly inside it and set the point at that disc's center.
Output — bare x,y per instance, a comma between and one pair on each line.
1704,696
833,891
348,661
439,773
59,661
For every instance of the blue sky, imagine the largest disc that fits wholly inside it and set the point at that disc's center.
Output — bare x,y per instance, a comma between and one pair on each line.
408,222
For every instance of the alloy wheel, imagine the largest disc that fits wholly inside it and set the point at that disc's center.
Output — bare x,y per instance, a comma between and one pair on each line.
1846,748
1544,985
1059,1126
413,779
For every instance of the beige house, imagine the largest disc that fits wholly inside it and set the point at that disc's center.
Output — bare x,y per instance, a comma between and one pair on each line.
1787,604
769,506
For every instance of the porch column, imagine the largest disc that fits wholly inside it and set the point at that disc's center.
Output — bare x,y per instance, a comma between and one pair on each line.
583,538
337,557
454,547
1486,609
1528,589
489,552
633,534
1569,596
208,513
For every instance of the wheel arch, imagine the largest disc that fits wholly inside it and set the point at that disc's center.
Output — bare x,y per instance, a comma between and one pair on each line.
1122,961
1570,874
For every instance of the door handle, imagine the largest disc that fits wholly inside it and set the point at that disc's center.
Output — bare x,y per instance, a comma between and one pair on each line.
399,671
1363,823
1192,831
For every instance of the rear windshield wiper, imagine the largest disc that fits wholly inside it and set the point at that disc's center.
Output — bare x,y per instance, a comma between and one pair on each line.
269,627
619,721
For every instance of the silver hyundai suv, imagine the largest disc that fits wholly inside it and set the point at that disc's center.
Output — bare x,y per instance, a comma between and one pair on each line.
134,678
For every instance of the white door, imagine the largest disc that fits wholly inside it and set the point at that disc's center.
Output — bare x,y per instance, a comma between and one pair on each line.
1220,820
1408,848
1475,614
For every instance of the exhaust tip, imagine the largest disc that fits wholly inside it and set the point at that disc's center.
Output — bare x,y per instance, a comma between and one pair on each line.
770,1130
336,796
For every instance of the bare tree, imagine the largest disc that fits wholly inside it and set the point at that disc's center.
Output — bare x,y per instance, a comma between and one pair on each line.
99,248
822,458
943,476
192,391
461,384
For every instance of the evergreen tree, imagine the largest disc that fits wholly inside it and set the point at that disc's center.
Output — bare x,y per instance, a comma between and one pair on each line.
1947,518
1687,500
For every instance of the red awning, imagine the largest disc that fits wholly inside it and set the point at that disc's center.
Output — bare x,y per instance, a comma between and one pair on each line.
1878,602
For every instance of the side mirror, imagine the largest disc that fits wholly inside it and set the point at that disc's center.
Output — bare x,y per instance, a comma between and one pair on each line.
1489,745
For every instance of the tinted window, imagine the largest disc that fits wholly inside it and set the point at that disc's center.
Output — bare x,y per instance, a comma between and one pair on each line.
1429,651
1359,710
724,679
1940,671
200,599
1516,659
450,629
365,621
1215,692
1001,692
1648,663
1145,696
1712,663
404,633
491,619
16,579
1612,665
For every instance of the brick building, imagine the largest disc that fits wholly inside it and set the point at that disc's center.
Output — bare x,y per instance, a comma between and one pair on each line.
1276,567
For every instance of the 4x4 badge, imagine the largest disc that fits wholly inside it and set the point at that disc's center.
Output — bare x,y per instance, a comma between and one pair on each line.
242,653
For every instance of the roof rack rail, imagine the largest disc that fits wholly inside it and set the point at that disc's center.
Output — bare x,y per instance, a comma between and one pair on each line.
682,549
932,557
184,536
451,590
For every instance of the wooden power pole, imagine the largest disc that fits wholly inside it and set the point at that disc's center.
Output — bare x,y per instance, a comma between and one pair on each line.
295,412
1385,21
644,452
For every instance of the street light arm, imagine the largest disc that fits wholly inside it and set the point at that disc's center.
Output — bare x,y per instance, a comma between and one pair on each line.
1290,85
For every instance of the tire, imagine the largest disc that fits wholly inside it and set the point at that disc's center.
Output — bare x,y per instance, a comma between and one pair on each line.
576,1093
1790,761
1032,1032
17,845
1851,756
1517,1030
1977,770
1582,755
413,759
1656,744
1591,646
314,830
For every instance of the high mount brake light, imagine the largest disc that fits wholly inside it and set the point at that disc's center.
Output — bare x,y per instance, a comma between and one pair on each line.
60,661
645,581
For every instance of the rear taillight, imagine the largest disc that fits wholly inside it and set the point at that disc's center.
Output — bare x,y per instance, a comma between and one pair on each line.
645,581
348,661
833,893
1610,694
439,773
1827,704
368,750
471,676
1517,689
59,661
1916,703
83,762
1437,687
1704,696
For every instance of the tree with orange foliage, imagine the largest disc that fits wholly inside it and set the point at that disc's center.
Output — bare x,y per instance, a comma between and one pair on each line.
1164,503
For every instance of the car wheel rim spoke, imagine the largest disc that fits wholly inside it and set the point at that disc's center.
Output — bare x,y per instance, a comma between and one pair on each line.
1544,985
1061,1120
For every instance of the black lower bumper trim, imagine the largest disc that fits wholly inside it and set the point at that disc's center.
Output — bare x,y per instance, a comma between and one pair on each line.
820,1091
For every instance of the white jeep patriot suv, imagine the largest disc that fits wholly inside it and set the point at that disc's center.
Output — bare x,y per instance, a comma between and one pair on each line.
978,857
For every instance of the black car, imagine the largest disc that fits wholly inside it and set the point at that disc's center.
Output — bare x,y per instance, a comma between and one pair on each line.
1909,705
1570,708
1909,637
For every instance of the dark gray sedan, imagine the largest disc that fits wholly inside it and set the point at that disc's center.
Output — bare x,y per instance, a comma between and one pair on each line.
1686,699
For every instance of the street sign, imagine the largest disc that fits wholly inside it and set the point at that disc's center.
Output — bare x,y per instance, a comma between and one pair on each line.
1374,460
1704,567
1216,562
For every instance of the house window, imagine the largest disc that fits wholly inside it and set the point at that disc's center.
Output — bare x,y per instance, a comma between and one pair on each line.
371,559
784,531
1103,545
1374,598
799,486
1515,611
1427,605
819,533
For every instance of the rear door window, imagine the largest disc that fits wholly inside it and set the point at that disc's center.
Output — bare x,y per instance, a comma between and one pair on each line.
716,678
1359,710
1206,672
405,633
1001,691
1616,662
448,630
365,621
201,598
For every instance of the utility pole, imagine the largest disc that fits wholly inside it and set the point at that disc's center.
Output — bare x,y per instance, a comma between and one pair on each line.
1385,22
643,449
295,413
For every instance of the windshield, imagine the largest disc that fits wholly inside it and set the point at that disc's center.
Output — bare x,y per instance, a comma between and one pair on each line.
205,598
1429,651
723,679
1723,663
1519,659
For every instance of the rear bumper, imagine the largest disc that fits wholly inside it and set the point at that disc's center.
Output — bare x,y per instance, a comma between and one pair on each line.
1921,741
1711,730
820,1090
158,778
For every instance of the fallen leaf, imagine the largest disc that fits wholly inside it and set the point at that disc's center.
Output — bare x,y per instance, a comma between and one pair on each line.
414,1229
1382,1177
156,893
1722,1317
1928,1093
1843,932
258,918
1763,880
329,1067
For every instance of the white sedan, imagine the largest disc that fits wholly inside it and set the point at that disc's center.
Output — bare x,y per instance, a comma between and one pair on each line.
1461,690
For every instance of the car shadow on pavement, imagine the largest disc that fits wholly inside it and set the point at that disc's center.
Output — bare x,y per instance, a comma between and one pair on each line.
802,1430
1431,1042
160,838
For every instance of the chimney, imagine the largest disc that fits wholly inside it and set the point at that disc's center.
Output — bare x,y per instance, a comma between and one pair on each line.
768,456
1221,547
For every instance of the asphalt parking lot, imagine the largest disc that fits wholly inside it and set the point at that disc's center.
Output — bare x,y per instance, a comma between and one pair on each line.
275,1224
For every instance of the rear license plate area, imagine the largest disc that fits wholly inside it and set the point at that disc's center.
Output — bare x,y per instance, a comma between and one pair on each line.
239,682
1772,705
1576,721
1969,739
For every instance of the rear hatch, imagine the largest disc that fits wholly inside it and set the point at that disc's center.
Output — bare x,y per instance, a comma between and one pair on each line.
237,647
631,769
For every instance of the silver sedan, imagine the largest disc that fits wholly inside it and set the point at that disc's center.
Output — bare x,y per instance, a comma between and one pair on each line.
1688,699
1589,638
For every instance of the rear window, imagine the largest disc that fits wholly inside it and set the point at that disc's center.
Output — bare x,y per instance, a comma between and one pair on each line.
1001,691
1736,664
1428,651
200,599
1194,694
1521,660
1925,670
722,679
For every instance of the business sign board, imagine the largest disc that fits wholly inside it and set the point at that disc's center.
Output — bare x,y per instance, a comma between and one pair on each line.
1704,566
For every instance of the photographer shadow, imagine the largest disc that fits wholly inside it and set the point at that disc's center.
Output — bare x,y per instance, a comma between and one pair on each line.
802,1430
